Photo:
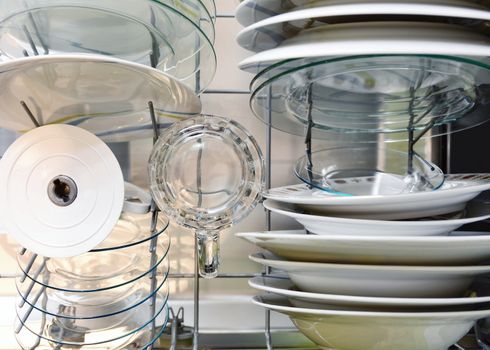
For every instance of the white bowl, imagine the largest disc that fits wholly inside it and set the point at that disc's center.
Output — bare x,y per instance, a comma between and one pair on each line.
377,280
319,224
371,330
458,248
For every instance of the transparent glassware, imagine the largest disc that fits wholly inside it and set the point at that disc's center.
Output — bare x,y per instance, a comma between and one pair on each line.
368,170
94,333
352,99
206,173
104,268
165,34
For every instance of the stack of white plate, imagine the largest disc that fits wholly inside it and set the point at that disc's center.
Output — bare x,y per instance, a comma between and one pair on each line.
379,272
367,66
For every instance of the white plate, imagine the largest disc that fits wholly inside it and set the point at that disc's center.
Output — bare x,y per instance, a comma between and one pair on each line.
377,280
60,216
457,190
284,286
458,248
431,226
106,96
375,38
272,31
253,11
369,330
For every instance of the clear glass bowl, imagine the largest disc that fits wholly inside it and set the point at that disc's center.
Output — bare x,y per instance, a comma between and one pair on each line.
94,333
368,170
80,305
165,34
374,94
112,265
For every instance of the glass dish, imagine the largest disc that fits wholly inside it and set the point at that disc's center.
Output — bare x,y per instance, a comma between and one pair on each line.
368,171
165,34
106,96
78,333
366,95
79,305
95,271
206,173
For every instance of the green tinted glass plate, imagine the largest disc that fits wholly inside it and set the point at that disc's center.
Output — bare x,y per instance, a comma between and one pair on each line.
166,34
372,95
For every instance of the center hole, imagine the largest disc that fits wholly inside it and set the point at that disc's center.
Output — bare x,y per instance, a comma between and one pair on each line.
62,190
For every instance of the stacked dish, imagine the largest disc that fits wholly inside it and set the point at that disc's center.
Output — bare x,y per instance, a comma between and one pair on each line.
377,266
113,297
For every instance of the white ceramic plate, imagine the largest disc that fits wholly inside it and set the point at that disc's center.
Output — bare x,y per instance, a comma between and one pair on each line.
272,31
284,287
459,248
369,330
457,190
377,280
431,226
375,38
106,96
253,11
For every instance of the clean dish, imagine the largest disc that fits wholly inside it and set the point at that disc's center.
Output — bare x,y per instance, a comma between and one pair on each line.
373,94
428,226
375,38
458,248
106,96
377,280
91,332
253,11
91,305
164,34
142,339
369,330
207,173
62,190
95,271
284,287
367,170
456,191
273,30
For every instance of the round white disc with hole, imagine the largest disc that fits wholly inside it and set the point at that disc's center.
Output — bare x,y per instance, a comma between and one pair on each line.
61,190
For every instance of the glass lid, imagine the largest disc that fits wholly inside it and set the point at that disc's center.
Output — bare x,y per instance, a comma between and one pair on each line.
142,339
271,32
106,96
379,94
74,332
165,34
76,305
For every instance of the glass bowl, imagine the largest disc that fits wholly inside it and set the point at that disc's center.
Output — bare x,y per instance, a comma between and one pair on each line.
95,304
359,97
165,34
368,170
68,333
125,258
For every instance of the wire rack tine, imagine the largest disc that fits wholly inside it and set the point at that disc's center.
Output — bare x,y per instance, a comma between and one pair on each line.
32,282
30,115
28,268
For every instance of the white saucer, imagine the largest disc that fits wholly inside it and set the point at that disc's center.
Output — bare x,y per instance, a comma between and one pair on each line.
375,38
106,96
459,248
457,190
377,280
284,286
62,190
337,329
271,32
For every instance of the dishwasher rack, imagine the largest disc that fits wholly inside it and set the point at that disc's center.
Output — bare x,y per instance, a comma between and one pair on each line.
176,317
